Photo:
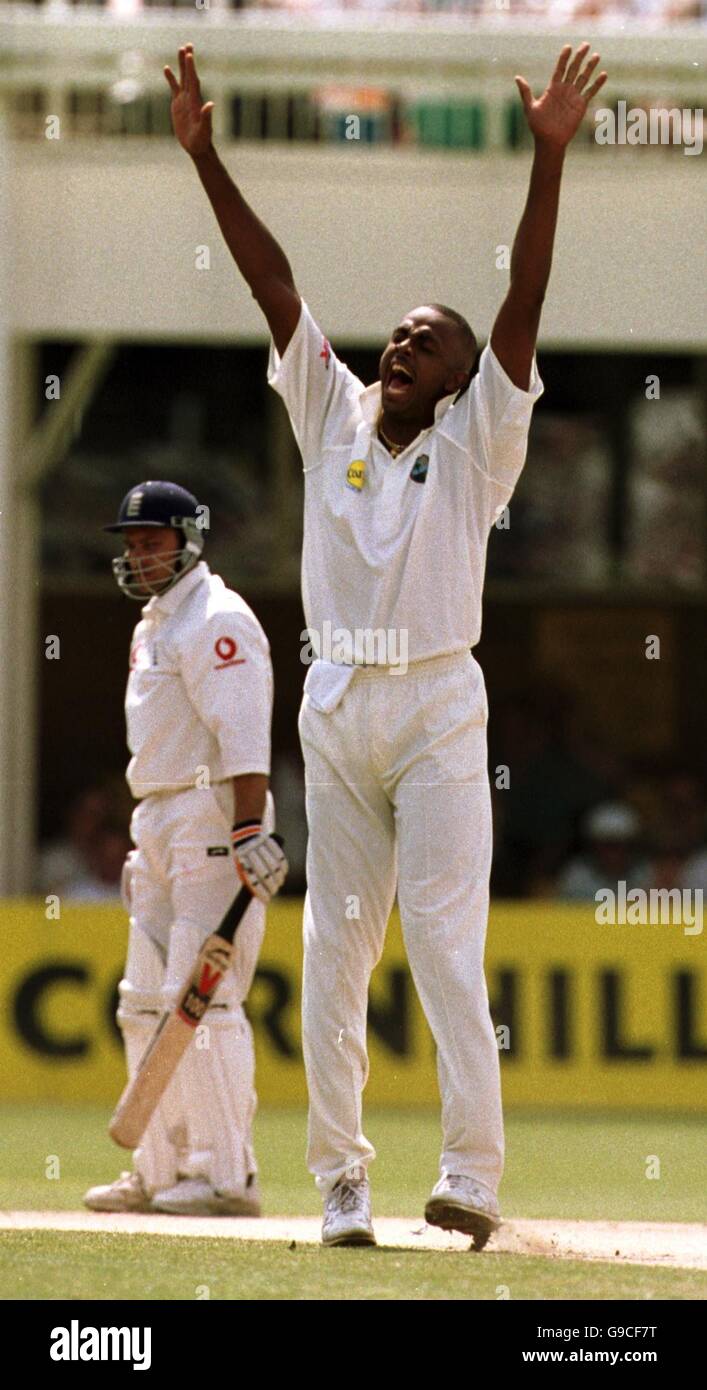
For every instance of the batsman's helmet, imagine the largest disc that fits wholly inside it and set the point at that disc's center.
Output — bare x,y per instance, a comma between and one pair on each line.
163,505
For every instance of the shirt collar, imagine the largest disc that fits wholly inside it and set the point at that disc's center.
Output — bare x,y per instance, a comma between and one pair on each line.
169,603
370,403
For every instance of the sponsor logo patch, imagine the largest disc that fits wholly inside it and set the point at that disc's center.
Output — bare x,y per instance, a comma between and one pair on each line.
356,474
226,649
215,850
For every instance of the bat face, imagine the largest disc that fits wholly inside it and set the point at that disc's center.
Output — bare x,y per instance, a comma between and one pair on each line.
211,965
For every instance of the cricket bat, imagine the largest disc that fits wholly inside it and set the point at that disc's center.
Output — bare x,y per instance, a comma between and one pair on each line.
176,1029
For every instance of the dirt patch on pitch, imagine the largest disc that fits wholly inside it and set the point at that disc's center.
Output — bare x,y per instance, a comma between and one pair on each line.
673,1245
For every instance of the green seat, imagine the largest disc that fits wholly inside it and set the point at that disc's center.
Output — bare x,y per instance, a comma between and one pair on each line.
449,125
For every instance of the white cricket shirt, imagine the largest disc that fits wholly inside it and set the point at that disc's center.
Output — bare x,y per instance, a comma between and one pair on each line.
396,544
200,688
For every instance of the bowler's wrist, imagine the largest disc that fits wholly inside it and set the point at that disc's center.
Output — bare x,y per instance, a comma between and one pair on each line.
205,158
548,155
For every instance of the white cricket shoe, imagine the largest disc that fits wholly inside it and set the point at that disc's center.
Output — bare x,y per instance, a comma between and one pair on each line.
347,1214
196,1197
127,1193
460,1204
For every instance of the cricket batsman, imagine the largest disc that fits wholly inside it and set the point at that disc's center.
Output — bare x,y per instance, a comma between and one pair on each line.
198,710
403,481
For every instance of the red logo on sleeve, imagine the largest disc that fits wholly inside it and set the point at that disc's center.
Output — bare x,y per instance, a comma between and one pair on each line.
325,352
226,649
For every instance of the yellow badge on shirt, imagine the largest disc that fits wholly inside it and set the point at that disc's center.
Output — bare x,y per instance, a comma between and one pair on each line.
356,474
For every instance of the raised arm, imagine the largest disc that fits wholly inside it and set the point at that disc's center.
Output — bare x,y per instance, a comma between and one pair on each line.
554,119
261,261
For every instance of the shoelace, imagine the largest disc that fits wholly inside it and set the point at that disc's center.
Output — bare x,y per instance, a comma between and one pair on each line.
350,1197
466,1185
130,1181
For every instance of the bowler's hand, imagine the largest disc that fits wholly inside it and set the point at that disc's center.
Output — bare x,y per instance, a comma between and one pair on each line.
556,116
191,120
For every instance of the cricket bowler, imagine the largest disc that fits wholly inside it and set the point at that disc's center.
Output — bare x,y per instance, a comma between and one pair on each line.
403,481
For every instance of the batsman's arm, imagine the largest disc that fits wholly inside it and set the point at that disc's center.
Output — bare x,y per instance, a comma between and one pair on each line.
249,793
260,259
260,862
554,120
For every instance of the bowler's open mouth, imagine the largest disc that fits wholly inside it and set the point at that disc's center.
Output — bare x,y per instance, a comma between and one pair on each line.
400,380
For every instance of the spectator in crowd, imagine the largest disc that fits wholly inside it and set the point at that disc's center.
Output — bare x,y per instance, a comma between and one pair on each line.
678,857
683,806
557,11
545,774
694,871
610,833
81,855
105,859
63,860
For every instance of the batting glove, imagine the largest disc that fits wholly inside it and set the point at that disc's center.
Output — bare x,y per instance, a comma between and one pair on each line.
260,861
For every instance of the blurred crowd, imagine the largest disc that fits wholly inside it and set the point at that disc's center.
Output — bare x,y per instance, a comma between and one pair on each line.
553,11
560,11
570,818
84,861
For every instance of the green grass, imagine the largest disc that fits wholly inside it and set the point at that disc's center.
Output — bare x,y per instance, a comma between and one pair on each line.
581,1167
50,1264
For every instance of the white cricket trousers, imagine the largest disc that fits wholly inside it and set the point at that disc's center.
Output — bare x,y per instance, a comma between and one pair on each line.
181,878
397,791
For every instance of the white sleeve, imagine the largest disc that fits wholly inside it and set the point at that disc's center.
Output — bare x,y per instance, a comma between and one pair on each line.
492,420
315,386
502,414
227,675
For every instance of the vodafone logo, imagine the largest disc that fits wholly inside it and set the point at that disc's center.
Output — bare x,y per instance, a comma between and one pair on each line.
225,649
139,656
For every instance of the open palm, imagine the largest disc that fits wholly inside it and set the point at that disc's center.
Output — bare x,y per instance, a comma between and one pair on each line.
191,119
557,114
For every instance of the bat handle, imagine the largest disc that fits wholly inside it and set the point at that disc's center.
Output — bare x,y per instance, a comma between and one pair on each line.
239,907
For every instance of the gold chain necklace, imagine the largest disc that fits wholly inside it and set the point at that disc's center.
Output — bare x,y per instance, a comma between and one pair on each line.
394,449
